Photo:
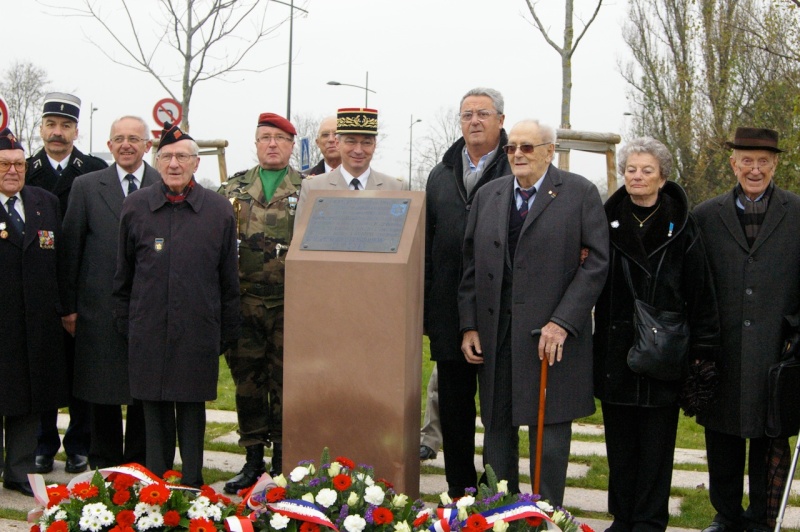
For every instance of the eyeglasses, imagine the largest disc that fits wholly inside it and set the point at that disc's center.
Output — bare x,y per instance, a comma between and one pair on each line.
266,139
132,139
19,166
511,149
183,158
761,164
483,115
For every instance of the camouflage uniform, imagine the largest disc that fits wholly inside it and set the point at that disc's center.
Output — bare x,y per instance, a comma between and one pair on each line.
265,231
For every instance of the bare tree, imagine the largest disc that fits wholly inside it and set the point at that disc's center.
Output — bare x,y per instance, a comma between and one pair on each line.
565,50
442,132
208,39
24,86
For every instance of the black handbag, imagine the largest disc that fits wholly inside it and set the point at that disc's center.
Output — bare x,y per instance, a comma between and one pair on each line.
661,337
783,402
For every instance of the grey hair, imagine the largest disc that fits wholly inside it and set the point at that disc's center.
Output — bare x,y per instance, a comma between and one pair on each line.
496,97
195,149
650,146
130,117
547,132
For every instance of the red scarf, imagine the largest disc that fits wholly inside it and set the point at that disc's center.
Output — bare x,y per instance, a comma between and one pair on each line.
177,197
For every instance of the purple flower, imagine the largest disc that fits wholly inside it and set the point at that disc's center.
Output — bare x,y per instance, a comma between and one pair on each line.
368,514
470,491
314,482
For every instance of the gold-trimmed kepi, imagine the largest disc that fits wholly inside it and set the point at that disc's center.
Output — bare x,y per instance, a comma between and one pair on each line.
357,121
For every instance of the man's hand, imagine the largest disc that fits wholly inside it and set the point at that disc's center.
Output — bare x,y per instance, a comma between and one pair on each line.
551,342
471,347
68,322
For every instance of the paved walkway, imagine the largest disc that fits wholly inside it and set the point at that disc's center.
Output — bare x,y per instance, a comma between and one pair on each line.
577,498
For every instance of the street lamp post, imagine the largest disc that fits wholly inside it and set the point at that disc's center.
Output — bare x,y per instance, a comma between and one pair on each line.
366,88
91,126
411,146
291,37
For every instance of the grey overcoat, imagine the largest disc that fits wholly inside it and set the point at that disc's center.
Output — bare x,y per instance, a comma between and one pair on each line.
756,287
549,282
91,235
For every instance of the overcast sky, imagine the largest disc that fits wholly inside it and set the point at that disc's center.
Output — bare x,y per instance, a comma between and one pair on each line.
421,55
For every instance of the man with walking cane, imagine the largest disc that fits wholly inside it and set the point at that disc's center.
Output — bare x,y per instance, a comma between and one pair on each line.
523,270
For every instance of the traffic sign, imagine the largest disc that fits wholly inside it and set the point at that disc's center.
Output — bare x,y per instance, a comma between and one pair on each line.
3,114
305,154
167,110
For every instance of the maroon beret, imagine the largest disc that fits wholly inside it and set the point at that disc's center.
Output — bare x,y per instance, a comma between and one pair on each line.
271,119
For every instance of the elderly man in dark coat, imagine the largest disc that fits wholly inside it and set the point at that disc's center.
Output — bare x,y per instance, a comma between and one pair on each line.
91,235
524,269
33,366
751,234
177,291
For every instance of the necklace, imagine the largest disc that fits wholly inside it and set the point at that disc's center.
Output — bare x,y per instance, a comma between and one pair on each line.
641,222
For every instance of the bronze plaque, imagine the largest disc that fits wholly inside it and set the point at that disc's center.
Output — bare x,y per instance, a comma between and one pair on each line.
356,224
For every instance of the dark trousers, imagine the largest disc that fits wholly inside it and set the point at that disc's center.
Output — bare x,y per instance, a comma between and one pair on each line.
17,442
163,420
78,435
726,459
640,444
111,444
501,440
458,384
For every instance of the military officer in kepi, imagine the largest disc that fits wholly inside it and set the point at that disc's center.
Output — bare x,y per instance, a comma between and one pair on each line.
54,168
264,199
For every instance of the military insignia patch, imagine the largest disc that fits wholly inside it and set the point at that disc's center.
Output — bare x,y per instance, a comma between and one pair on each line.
159,244
47,240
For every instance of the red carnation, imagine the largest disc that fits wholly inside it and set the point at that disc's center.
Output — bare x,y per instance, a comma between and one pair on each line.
58,526
172,476
155,493
346,462
422,519
121,497
35,528
276,494
201,525
342,482
172,518
534,520
309,527
123,481
476,523
84,490
385,482
382,516
586,528
126,518
57,494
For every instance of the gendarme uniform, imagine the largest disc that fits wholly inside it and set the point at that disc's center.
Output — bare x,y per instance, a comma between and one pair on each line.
42,174
265,227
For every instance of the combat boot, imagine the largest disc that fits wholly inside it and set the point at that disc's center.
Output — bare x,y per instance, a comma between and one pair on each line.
276,465
253,468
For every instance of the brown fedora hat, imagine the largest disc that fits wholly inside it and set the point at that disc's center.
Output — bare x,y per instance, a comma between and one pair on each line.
755,138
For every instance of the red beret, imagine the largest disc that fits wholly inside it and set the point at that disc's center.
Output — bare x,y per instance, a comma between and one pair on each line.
271,119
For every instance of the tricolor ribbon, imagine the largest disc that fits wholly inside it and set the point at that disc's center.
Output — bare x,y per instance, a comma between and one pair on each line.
302,511
508,513
238,524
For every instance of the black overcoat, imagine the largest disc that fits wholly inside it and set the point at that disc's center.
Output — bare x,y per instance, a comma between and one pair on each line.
447,208
40,173
683,284
91,236
177,290
756,287
33,369
550,283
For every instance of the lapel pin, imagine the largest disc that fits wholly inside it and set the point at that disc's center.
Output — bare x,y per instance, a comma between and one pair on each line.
3,234
671,226
552,194
615,224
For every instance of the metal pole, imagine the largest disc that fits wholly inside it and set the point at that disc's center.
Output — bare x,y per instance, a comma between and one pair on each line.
411,146
91,125
289,89
366,91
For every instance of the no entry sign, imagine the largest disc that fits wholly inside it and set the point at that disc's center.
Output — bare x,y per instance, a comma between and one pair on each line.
167,110
3,114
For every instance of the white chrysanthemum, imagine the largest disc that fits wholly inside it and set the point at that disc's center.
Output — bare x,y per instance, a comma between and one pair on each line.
94,509
198,509
402,526
352,499
326,497
499,526
158,519
544,506
106,518
466,500
279,522
298,473
85,522
354,523
214,513
61,515
48,512
146,522
334,469
143,509
399,500
502,486
374,495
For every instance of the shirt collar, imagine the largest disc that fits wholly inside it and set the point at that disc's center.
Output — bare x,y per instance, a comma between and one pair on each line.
63,162
361,179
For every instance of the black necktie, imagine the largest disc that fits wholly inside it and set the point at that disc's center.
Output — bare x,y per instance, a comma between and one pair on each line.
16,220
131,183
525,195
356,184
59,169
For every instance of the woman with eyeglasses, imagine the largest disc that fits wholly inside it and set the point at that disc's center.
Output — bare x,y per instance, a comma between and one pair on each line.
654,237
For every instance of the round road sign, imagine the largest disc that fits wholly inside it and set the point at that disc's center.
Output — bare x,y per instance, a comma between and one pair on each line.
167,110
3,114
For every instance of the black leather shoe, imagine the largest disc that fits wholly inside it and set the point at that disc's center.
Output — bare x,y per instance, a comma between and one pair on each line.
77,463
426,453
253,468
44,464
22,487
716,526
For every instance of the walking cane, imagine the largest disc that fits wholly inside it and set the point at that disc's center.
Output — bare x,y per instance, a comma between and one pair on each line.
537,472
785,499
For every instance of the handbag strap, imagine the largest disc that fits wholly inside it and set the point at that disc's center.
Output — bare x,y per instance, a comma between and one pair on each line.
653,281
